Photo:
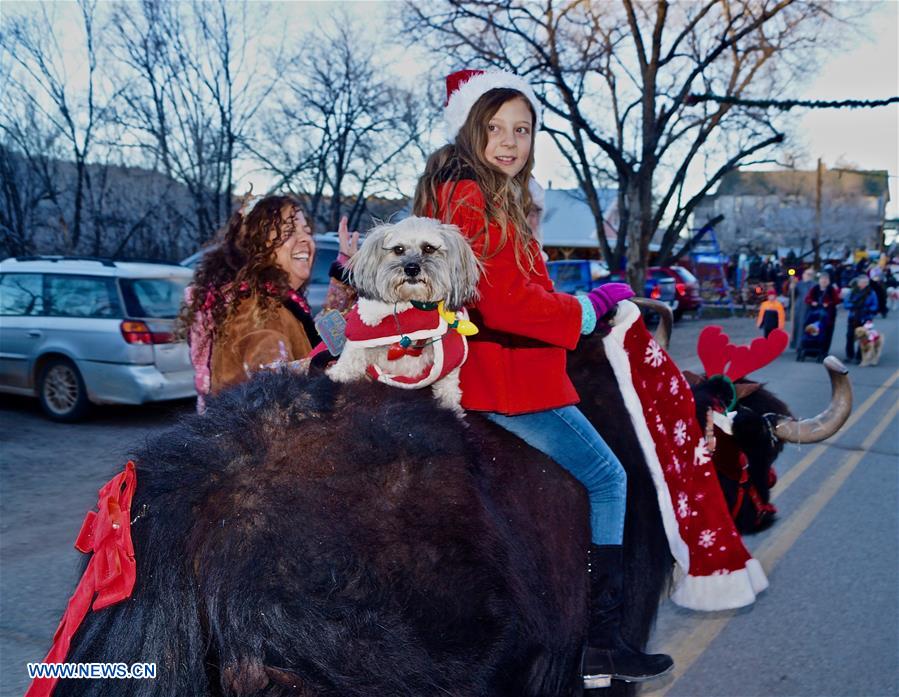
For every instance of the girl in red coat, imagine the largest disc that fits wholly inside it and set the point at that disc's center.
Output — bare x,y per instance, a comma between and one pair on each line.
515,372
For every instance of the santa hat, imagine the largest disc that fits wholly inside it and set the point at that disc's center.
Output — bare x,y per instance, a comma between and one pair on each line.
465,87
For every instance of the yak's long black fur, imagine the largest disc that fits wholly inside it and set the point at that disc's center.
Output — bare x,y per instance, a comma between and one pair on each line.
752,434
310,539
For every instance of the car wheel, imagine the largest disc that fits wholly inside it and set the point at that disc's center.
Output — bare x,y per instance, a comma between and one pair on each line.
61,390
678,314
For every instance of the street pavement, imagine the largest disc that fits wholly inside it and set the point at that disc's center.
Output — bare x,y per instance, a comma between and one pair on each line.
827,626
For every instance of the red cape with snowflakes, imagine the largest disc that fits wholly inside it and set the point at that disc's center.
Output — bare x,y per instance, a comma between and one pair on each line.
715,571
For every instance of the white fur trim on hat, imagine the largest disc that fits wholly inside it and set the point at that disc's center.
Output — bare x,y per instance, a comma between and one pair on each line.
463,99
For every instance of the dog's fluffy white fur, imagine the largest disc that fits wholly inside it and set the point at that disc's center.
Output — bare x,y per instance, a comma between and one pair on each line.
869,349
417,259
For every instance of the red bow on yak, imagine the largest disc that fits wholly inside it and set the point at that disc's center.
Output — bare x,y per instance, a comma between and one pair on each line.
110,574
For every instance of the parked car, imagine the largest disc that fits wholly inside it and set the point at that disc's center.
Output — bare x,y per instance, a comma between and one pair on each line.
573,275
686,287
326,247
76,331
661,289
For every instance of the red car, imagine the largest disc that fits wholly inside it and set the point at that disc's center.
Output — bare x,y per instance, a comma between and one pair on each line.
686,288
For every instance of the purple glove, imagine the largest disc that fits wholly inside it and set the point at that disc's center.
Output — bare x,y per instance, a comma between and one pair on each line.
606,297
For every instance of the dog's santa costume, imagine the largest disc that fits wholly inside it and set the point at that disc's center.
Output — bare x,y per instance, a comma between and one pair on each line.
407,327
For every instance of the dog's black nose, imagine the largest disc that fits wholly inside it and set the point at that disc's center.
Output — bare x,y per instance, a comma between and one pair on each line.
412,269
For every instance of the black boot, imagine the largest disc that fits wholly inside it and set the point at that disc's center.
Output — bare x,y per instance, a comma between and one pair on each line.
607,652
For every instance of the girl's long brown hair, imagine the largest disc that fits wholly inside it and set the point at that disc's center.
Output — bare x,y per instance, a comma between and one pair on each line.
241,263
507,199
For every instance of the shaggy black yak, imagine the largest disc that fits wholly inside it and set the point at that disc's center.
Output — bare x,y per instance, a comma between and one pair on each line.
311,539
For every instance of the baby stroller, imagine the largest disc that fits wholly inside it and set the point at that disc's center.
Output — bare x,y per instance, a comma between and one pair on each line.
814,335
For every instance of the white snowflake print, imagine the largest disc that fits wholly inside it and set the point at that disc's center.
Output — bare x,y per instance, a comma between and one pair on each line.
680,432
683,506
654,355
677,464
674,386
701,454
707,538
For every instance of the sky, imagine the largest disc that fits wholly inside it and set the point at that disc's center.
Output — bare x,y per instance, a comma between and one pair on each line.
867,67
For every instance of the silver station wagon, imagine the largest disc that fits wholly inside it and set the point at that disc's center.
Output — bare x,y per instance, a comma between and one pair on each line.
76,331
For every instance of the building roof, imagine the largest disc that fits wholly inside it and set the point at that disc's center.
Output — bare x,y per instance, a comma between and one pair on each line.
568,221
800,182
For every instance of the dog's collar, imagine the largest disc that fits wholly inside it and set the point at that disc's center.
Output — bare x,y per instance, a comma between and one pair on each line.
424,306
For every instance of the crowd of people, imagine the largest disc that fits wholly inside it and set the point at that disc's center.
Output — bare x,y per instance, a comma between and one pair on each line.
865,290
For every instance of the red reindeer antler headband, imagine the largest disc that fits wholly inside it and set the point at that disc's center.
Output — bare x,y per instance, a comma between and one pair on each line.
720,357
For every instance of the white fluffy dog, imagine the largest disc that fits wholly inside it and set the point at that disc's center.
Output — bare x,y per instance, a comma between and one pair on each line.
408,328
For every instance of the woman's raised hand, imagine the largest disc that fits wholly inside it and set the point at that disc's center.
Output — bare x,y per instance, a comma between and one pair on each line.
349,244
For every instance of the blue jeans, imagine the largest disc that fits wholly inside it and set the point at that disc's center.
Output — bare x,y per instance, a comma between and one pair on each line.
567,437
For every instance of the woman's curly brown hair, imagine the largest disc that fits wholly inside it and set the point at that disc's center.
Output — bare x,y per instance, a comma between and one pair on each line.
241,262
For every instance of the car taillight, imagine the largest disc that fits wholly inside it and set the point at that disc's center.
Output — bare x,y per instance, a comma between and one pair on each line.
655,293
139,333
681,288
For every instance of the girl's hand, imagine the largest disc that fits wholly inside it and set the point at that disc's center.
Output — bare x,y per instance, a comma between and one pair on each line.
349,244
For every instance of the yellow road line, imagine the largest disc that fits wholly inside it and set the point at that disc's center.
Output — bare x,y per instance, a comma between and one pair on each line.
688,645
796,471
770,552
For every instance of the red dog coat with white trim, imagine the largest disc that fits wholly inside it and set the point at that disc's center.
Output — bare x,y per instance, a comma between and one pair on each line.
415,328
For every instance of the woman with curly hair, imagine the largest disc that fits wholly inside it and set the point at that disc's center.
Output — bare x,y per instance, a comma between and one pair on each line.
246,308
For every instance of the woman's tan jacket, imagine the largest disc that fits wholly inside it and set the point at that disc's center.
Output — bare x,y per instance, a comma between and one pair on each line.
245,344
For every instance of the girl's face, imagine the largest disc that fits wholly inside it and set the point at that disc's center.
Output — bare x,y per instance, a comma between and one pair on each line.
509,136
297,250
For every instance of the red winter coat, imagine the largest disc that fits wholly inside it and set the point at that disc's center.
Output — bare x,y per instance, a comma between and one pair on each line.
516,362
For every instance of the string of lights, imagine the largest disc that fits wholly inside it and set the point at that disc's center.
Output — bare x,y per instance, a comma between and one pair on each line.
786,104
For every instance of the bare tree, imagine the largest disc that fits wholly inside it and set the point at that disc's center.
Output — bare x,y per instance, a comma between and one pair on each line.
39,85
343,127
193,96
616,81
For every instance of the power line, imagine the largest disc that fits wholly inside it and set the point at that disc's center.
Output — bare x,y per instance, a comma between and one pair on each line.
786,104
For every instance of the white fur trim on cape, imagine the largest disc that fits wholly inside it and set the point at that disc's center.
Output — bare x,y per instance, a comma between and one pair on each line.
722,591
463,99
373,312
422,334
614,345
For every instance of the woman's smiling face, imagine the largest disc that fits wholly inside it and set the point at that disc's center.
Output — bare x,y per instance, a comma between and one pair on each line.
509,137
297,251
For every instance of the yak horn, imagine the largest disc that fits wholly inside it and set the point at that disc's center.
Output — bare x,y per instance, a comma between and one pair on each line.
666,319
831,419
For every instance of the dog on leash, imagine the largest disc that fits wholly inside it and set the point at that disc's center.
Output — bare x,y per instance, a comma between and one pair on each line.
870,343
409,326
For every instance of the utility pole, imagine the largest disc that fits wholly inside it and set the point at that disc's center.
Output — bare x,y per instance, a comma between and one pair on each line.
820,178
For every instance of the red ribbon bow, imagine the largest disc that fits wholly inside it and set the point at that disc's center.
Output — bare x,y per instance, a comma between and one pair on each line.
110,573
397,350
